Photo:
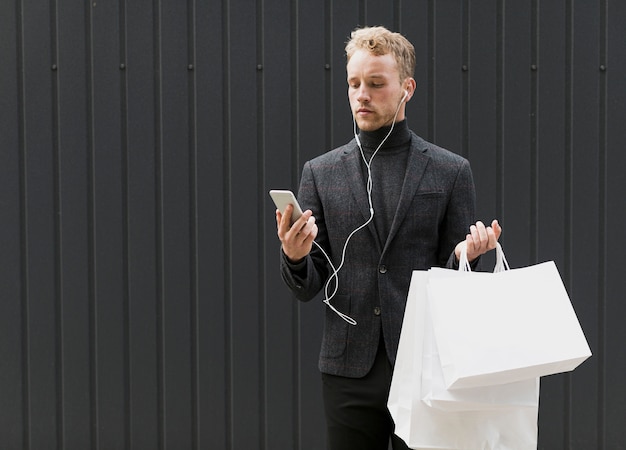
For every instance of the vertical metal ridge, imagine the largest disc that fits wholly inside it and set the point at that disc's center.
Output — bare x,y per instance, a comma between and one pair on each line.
125,178
295,92
568,131
228,238
194,305
569,186
58,247
160,269
158,180
261,176
295,158
397,15
500,104
362,13
91,227
534,132
328,12
23,198
465,100
602,225
432,70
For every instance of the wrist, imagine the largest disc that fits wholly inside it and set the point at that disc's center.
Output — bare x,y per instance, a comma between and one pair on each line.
293,260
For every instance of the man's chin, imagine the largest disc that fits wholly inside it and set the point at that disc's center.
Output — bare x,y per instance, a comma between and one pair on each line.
367,126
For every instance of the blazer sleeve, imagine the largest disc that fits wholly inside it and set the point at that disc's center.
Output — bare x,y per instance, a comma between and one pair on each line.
308,277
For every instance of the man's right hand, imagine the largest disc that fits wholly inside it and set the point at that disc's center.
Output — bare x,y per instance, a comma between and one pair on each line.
297,239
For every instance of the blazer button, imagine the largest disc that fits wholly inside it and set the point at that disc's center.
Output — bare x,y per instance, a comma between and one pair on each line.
382,268
377,311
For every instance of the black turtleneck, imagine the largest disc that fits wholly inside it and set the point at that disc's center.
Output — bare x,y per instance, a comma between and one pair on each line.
388,168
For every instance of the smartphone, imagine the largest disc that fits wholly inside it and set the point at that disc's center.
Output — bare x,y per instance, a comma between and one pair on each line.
282,198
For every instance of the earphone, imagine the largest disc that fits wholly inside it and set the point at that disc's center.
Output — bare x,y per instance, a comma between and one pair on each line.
369,184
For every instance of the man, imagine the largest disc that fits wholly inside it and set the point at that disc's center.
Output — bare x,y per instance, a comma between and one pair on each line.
381,206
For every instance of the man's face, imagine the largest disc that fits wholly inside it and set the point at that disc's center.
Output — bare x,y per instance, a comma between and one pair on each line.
374,90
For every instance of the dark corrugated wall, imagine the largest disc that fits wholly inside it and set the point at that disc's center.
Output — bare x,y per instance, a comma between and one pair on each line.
140,301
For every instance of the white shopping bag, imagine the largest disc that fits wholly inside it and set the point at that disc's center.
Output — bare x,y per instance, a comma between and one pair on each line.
497,328
423,427
521,394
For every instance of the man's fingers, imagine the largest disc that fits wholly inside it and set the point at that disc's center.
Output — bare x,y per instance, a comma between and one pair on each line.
309,233
481,239
300,225
497,229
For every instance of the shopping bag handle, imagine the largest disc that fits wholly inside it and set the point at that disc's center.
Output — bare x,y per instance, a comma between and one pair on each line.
501,262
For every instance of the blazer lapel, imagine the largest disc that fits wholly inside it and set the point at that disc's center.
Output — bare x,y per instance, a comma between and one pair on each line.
415,168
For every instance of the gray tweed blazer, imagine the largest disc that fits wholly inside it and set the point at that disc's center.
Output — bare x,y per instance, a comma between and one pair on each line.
435,210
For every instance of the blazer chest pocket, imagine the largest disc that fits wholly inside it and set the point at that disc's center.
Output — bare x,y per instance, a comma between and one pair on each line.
427,208
335,328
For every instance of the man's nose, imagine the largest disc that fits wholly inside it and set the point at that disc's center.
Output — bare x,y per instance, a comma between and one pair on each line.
362,94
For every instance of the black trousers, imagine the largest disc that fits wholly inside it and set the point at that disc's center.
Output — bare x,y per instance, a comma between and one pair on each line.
357,417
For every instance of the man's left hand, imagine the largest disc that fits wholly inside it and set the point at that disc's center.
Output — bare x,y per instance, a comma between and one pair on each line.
479,240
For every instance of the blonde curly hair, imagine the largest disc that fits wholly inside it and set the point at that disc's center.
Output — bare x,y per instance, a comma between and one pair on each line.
380,41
